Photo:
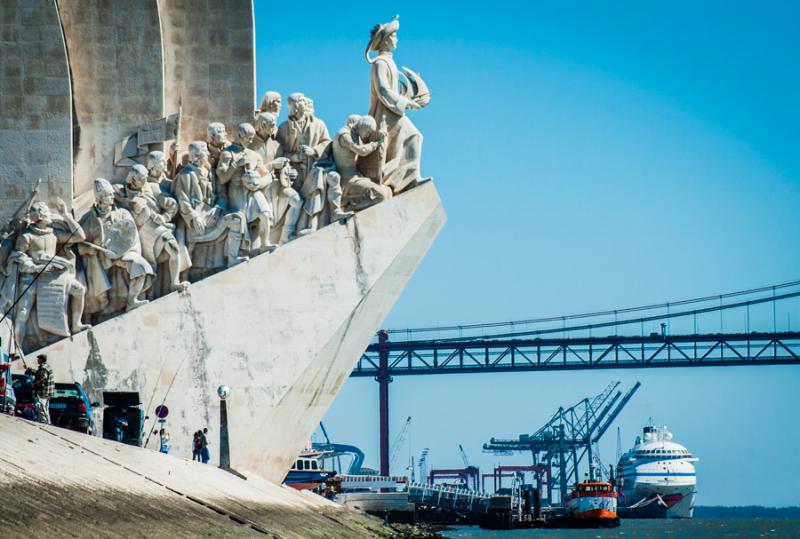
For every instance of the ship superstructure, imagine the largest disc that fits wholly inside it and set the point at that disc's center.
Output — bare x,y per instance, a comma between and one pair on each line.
656,478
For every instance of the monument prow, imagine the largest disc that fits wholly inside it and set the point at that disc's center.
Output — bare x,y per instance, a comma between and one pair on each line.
282,330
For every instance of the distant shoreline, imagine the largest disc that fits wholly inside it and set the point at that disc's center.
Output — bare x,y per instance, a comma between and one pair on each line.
746,511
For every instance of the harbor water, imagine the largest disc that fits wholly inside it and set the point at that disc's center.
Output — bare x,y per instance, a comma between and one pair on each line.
678,529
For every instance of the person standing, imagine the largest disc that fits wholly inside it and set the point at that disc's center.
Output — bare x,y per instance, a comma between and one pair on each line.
164,436
43,386
197,446
205,454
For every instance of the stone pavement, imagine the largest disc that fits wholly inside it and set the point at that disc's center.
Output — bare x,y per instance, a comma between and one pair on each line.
59,483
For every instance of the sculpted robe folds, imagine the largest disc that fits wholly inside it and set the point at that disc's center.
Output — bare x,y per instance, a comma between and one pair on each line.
293,134
204,224
107,277
404,141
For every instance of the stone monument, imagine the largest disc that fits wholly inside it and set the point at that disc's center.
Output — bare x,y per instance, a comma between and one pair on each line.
207,248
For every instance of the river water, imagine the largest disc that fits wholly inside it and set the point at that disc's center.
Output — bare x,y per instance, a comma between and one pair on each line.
677,529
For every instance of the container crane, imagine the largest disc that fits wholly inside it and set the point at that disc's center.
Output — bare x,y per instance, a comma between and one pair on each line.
398,442
569,436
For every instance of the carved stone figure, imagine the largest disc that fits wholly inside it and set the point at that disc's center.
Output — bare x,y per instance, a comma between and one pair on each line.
243,173
265,142
157,167
214,237
117,275
352,146
271,102
400,165
322,195
217,141
303,138
153,212
286,202
56,298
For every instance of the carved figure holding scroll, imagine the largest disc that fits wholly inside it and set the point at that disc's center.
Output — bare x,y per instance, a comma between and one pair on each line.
390,97
57,298
117,275
352,148
153,211
214,237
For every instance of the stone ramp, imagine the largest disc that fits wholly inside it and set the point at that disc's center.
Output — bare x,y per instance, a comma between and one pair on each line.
59,483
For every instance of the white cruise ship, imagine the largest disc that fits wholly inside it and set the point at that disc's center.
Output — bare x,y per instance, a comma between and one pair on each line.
656,478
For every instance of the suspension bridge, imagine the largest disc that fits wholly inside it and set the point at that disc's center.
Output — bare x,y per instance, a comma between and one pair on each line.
743,328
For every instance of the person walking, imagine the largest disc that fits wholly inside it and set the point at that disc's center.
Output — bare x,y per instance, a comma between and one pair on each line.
164,436
205,454
43,386
197,446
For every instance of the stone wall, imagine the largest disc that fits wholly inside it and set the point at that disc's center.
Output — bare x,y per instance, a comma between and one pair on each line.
114,49
35,109
209,59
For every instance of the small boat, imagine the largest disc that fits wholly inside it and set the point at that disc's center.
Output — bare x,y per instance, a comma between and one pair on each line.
593,504
307,473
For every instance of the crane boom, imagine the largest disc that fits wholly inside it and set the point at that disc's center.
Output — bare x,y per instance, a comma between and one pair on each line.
463,455
398,442
615,413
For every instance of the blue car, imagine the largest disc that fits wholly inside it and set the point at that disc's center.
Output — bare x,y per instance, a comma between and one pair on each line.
70,408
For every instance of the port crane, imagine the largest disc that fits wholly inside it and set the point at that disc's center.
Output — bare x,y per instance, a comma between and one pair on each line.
398,442
463,455
568,437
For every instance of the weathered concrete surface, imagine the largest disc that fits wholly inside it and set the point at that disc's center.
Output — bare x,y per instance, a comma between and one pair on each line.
114,49
283,330
209,59
58,483
35,107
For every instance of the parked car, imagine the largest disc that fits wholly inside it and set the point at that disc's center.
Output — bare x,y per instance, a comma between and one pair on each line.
8,400
70,408
27,405
119,407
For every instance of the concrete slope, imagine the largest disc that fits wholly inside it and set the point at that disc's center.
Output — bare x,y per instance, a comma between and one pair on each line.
58,483
282,330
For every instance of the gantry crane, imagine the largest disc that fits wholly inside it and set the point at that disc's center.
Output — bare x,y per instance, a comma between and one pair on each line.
567,437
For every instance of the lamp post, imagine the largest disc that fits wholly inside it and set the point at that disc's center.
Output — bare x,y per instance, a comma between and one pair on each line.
223,392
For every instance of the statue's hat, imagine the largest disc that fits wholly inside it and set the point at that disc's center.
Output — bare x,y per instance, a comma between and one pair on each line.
379,33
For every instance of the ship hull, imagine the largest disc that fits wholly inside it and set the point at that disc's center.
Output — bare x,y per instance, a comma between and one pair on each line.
659,501
282,330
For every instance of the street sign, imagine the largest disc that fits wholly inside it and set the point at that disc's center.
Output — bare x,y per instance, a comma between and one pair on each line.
162,411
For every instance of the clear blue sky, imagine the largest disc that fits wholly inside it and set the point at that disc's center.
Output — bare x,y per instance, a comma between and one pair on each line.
588,156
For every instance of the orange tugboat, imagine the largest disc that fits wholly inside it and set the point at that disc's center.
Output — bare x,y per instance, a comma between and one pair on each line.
593,504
